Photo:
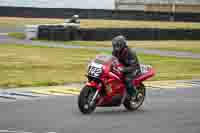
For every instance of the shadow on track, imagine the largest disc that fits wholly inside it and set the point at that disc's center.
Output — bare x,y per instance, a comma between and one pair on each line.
115,112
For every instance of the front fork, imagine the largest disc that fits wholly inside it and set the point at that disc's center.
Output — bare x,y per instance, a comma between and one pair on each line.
94,97
98,88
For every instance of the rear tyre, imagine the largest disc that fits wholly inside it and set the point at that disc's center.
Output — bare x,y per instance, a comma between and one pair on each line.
84,100
133,104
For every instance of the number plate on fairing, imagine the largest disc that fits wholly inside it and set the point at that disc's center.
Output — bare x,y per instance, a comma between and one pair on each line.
95,70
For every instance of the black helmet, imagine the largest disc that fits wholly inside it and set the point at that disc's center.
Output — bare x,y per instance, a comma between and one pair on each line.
119,43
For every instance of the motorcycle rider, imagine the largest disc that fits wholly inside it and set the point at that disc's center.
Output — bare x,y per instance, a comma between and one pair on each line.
74,19
130,61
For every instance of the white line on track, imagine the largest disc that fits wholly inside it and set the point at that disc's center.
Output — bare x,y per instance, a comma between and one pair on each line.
9,131
3,34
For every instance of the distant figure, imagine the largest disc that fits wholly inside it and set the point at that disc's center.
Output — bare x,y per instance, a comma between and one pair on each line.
73,22
74,19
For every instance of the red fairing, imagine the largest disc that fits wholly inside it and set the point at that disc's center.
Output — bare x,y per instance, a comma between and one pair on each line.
106,68
144,77
113,76
93,85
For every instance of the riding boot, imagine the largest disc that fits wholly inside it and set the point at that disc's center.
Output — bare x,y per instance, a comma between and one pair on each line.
131,90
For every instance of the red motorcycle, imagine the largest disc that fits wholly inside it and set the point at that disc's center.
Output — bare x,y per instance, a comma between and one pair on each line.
106,87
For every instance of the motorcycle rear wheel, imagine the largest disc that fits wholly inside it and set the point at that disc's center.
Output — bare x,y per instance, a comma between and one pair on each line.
84,100
133,104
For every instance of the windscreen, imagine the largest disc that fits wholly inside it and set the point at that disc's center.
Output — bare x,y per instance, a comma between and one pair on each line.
103,59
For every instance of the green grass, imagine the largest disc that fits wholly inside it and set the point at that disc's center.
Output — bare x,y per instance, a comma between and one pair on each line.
172,68
17,35
186,45
42,66
96,23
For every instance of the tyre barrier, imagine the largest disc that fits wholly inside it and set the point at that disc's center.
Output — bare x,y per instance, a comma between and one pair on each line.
140,34
58,33
61,33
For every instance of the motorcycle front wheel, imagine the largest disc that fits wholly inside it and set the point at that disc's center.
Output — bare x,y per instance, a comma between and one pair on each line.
133,104
84,100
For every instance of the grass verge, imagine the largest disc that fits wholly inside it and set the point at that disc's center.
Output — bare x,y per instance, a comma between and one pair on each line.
17,35
185,46
97,23
42,66
173,45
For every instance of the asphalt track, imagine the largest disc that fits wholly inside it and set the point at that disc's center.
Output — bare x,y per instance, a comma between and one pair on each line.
4,39
164,111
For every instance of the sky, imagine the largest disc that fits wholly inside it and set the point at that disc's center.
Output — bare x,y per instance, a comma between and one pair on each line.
94,4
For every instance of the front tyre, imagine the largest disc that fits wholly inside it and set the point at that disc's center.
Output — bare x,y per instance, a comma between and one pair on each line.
84,100
133,104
